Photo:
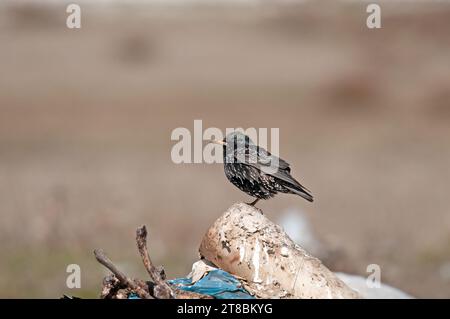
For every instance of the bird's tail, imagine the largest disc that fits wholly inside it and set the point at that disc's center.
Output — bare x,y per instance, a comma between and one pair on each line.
301,191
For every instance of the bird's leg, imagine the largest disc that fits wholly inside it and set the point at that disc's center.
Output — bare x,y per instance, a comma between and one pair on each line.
254,202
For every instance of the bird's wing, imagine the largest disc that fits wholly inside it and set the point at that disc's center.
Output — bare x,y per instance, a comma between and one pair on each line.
268,158
259,158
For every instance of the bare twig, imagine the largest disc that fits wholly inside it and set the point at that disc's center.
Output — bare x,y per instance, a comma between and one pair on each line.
123,279
120,286
162,289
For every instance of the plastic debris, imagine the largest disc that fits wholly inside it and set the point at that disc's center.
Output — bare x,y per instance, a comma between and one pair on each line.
133,296
217,283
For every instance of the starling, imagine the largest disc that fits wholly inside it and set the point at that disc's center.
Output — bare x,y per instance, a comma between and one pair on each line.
255,171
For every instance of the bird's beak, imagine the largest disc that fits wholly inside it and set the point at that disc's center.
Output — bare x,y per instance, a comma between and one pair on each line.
217,142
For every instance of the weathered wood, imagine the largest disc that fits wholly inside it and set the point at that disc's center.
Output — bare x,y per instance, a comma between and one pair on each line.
123,279
119,286
162,290
247,244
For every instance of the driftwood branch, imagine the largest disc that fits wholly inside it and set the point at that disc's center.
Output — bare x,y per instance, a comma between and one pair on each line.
162,290
123,279
119,286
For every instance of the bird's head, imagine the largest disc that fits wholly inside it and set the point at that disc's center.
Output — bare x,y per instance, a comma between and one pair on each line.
234,138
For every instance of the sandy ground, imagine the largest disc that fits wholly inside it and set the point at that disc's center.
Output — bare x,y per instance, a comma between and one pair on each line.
86,117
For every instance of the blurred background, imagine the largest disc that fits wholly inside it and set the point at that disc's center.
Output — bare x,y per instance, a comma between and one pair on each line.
86,117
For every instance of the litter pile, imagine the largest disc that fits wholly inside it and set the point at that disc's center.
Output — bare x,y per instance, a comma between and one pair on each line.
204,282
243,255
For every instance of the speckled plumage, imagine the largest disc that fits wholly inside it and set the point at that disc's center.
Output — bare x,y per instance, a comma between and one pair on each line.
245,165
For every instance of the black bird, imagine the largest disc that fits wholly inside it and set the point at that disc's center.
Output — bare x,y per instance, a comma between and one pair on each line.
257,172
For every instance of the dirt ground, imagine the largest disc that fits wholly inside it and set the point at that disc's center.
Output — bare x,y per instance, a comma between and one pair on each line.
86,117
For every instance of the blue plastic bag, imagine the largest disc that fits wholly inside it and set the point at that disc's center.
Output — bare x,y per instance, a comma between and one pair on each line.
216,283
